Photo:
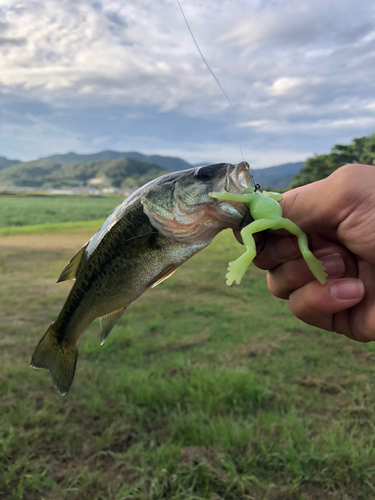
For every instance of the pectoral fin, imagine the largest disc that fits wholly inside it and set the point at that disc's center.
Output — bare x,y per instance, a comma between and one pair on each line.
108,322
70,271
164,275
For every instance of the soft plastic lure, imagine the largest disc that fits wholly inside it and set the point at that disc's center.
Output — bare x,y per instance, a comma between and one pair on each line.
267,214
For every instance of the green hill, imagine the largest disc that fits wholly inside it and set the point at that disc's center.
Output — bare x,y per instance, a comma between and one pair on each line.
119,173
5,162
167,162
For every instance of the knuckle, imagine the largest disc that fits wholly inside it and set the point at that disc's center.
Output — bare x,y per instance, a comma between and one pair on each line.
347,176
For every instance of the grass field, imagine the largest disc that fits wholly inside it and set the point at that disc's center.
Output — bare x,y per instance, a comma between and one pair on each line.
25,210
201,391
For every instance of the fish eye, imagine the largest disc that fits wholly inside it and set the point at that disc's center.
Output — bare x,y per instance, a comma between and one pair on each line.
204,173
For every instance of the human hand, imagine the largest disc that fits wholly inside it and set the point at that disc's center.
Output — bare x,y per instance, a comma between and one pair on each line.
338,216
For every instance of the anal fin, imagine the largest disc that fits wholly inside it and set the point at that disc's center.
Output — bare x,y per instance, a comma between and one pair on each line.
107,322
70,271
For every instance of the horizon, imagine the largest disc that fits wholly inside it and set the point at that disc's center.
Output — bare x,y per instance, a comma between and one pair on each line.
137,152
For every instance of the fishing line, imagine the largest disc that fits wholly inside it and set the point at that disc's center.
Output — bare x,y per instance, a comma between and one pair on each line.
257,186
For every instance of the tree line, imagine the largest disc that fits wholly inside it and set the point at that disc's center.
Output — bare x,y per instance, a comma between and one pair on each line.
361,150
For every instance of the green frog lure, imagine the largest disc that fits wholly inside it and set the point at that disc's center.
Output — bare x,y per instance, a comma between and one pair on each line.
267,214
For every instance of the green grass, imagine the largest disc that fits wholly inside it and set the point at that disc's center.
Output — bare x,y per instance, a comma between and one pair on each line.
30,210
52,228
201,392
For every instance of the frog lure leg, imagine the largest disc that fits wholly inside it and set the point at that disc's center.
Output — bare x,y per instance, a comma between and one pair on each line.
267,214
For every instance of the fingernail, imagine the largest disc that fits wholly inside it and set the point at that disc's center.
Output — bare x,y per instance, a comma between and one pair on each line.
282,249
347,289
334,264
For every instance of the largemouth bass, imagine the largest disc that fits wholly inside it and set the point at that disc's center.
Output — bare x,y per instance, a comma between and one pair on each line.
143,242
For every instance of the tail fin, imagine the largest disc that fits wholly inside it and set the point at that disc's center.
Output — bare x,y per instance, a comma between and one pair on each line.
59,360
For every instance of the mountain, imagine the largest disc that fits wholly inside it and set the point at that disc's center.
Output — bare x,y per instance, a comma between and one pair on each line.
115,169
119,173
5,162
167,162
278,177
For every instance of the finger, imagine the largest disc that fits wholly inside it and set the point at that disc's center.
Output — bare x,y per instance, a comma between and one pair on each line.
293,274
280,249
258,237
362,316
344,324
317,304
277,250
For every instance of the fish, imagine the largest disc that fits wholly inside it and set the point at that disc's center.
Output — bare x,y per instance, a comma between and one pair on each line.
142,243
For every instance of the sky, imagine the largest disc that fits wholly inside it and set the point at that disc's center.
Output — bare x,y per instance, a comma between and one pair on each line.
91,75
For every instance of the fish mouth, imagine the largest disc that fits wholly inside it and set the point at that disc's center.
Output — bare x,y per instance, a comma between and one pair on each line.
231,214
238,178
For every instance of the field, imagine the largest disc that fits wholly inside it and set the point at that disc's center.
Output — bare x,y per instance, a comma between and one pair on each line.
200,392
21,210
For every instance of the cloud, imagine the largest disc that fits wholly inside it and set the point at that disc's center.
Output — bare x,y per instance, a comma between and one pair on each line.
141,52
300,74
12,41
359,123
285,85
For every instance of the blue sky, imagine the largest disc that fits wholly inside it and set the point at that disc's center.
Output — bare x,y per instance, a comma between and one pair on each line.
88,75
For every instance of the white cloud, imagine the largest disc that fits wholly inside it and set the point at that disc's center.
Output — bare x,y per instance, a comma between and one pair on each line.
285,85
283,126
359,123
291,68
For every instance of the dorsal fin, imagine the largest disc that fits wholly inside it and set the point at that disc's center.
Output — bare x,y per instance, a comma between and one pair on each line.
70,271
107,322
168,271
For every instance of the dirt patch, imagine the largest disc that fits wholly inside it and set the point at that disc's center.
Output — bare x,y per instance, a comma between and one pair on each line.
332,384
198,339
8,400
260,349
210,457
273,492
362,356
251,350
324,386
123,442
59,241
314,491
